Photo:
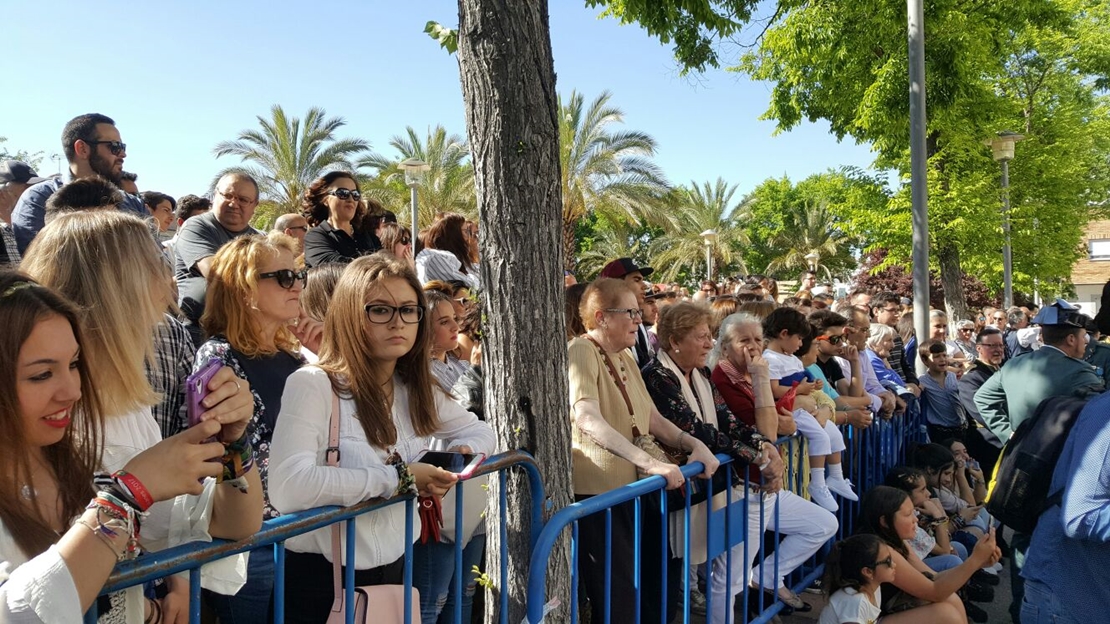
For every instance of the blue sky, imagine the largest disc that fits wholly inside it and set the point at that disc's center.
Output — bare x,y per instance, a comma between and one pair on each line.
180,76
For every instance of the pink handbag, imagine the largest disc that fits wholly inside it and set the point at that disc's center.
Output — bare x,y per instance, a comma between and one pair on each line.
388,600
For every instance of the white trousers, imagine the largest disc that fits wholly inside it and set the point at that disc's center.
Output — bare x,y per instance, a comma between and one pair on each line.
805,526
822,440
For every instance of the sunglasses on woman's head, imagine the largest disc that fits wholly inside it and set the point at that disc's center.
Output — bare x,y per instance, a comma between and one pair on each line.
286,277
345,194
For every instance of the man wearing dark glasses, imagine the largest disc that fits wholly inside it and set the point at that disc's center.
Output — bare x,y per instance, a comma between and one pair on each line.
92,147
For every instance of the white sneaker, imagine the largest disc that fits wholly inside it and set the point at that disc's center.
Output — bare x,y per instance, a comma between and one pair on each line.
994,569
842,487
823,497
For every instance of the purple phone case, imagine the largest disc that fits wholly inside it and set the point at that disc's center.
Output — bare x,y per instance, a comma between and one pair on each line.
196,388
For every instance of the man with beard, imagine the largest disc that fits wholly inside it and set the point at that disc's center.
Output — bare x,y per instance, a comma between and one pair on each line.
93,148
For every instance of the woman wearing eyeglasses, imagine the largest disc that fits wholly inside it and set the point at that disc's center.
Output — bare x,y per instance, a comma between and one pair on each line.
331,205
374,366
254,289
610,406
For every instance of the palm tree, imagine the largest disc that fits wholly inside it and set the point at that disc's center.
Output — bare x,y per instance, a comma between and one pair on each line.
611,239
808,229
285,155
603,171
695,210
447,187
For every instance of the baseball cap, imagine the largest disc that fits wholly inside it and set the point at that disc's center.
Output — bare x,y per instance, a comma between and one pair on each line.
623,266
18,171
1061,313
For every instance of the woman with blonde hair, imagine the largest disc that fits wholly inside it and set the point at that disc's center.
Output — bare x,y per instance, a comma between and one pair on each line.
610,407
374,369
254,288
83,256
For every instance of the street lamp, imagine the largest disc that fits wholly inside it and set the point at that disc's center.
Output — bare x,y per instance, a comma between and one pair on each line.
709,237
414,169
1002,149
812,258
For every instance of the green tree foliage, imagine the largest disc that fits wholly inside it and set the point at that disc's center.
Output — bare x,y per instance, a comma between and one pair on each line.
790,221
693,210
1032,65
285,154
603,170
447,187
31,158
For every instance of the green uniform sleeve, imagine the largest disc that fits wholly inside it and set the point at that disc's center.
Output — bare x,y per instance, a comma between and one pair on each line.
990,399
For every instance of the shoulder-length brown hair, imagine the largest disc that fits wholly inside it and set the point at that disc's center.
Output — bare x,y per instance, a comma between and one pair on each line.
312,205
447,235
23,305
232,287
348,359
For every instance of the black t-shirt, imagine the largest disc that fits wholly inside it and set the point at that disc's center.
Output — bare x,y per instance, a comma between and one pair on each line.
267,375
832,370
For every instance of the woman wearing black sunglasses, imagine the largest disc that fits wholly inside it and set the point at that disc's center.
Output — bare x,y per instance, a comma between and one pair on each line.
254,289
331,205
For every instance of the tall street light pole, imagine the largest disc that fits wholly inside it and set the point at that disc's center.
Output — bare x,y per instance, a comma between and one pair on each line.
414,169
919,158
1002,149
709,237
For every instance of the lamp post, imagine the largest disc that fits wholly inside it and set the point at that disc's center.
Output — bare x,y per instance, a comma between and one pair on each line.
709,237
1002,149
57,158
414,169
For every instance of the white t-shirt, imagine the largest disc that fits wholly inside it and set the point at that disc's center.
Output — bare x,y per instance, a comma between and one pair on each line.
781,365
848,605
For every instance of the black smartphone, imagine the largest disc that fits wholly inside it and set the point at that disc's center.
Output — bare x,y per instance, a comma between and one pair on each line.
462,464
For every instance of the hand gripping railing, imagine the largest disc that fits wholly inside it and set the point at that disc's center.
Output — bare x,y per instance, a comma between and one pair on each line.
190,557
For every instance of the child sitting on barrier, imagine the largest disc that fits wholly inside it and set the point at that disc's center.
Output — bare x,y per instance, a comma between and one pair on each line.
854,572
788,334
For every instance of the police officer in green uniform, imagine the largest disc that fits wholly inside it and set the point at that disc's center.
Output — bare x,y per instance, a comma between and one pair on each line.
1009,397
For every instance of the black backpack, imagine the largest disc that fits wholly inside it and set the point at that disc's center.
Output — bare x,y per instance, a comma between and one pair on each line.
1019,489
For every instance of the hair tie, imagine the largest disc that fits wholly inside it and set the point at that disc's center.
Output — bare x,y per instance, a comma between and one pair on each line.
16,288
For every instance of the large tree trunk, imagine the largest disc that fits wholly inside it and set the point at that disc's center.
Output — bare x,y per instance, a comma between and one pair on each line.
951,279
508,83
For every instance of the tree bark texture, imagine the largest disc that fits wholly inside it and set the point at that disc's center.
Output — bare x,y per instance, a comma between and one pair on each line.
508,84
570,244
951,279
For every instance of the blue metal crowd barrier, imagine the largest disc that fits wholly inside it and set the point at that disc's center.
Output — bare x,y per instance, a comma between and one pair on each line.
870,453
190,557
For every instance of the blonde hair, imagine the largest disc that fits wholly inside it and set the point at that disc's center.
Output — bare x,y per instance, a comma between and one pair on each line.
108,263
232,287
600,294
678,320
347,358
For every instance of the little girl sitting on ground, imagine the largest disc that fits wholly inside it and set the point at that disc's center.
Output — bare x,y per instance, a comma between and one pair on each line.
855,569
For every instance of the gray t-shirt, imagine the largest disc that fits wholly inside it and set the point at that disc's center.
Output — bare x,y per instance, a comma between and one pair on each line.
198,238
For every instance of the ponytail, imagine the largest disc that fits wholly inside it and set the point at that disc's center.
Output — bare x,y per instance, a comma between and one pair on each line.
846,561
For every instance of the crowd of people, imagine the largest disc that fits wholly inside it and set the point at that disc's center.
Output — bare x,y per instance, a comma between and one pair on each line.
336,348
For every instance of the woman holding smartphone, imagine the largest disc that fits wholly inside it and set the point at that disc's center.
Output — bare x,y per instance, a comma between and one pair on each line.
106,262
257,342
54,559
374,358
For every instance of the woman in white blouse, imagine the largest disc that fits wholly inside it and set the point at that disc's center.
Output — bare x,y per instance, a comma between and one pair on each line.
375,358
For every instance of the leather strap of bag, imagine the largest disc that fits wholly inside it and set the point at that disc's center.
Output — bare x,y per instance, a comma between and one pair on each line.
620,384
331,455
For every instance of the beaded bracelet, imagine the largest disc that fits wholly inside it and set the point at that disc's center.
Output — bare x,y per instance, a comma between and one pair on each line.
406,482
237,461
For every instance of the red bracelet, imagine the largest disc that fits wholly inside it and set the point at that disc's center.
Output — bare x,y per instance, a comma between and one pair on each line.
137,489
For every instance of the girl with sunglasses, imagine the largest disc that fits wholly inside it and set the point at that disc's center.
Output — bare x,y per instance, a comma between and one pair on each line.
333,206
254,289
397,239
854,571
374,367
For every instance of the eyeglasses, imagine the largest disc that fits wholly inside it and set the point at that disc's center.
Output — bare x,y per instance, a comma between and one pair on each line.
116,147
380,313
298,227
891,309
833,340
633,313
229,196
286,277
345,194
888,562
